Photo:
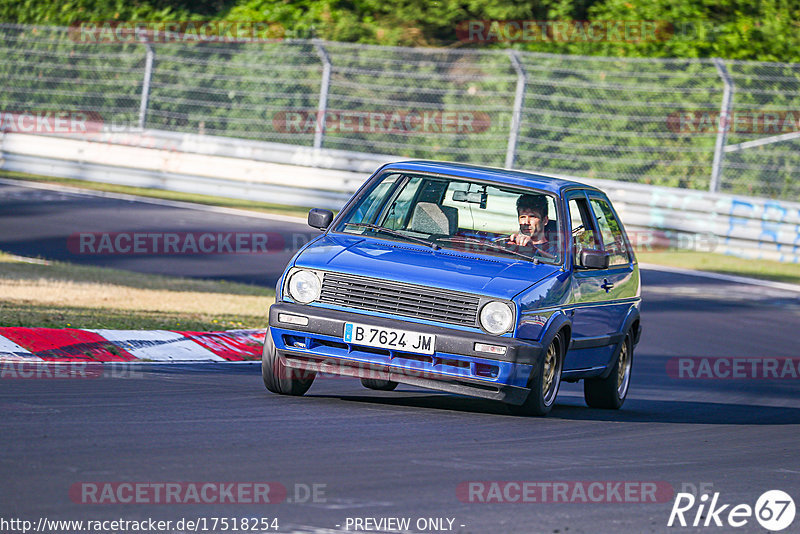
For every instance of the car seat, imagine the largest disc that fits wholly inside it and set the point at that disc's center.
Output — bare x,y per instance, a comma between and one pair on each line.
430,218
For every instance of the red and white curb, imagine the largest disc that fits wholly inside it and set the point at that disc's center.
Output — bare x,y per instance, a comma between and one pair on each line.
73,345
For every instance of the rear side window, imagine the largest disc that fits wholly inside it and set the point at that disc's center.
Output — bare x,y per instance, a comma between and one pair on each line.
610,230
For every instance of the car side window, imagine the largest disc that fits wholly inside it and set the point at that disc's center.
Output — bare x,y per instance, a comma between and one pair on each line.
398,212
613,241
368,209
583,234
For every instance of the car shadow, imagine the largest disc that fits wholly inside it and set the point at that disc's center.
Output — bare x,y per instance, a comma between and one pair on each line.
685,412
413,399
572,408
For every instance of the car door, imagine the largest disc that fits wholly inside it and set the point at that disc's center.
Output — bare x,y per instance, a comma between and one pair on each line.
601,298
621,279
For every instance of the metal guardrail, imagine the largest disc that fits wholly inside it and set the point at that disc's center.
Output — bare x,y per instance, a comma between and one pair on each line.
287,174
206,168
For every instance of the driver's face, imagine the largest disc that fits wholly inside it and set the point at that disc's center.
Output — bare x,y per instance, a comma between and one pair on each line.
531,222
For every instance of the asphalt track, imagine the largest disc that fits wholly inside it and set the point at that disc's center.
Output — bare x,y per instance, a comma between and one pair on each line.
404,453
40,222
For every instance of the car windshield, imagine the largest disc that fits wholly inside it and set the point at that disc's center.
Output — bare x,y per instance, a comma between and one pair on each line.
458,214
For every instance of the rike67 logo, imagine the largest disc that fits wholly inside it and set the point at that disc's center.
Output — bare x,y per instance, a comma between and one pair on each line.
774,510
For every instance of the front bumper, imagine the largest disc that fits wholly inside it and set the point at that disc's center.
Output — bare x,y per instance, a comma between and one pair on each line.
455,367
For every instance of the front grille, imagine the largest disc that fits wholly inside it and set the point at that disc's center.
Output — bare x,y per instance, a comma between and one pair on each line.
406,300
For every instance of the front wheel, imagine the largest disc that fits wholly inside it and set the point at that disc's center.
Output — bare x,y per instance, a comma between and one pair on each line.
544,386
281,379
610,392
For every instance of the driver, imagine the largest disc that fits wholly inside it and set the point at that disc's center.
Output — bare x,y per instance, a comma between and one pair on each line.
532,214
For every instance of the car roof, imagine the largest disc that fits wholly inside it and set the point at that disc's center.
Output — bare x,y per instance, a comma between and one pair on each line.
542,182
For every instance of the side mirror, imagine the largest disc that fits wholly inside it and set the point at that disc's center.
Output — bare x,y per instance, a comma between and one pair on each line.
595,259
320,218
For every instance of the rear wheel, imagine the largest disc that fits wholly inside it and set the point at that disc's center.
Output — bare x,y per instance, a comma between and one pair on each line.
610,392
544,386
281,379
377,384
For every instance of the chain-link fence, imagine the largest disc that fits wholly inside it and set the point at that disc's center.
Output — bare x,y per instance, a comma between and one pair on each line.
637,120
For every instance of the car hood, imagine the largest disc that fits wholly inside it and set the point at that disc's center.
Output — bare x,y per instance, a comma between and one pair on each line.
414,264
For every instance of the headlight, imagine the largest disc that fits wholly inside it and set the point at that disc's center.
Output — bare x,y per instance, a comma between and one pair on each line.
497,317
304,287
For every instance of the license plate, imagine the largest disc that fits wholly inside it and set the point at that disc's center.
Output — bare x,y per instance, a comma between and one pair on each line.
389,338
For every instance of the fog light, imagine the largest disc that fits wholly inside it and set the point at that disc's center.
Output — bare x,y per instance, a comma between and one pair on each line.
293,319
491,349
488,371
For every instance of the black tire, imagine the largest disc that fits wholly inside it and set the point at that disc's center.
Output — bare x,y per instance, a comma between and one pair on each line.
377,384
544,385
610,392
277,377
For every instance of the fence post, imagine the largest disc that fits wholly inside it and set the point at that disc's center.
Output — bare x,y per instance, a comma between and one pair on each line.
516,117
724,123
319,130
148,74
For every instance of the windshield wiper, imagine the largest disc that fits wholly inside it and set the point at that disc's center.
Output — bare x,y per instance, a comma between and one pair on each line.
395,233
489,245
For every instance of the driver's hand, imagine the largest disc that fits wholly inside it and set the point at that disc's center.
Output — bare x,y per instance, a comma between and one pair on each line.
519,239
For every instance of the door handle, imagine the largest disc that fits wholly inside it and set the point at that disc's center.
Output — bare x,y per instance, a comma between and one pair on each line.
606,284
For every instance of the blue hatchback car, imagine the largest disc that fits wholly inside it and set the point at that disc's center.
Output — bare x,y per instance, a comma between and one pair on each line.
478,281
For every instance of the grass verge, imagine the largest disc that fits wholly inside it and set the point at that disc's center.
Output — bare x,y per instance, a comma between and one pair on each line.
63,295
